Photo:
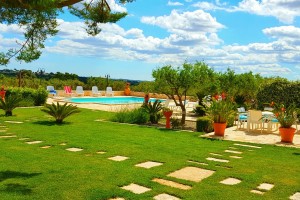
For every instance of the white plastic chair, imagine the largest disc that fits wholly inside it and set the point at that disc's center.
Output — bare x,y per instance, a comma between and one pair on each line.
255,118
79,90
109,91
95,91
51,90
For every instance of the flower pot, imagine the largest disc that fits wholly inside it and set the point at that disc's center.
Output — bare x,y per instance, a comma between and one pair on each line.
168,115
287,134
220,128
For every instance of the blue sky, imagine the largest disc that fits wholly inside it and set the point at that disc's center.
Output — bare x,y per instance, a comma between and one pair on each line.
249,35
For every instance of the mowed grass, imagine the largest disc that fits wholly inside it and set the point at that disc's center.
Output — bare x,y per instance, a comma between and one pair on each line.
30,172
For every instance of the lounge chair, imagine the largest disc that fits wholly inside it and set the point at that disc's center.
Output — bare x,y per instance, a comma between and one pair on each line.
51,90
109,91
255,118
79,91
95,91
68,91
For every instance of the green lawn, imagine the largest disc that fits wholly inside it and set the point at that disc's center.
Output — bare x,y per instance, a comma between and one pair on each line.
29,172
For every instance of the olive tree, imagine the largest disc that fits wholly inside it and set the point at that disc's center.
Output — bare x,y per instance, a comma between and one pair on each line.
176,82
37,18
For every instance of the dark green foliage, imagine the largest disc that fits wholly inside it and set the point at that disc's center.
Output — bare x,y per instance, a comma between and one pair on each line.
204,124
60,112
30,97
136,116
176,123
9,103
154,111
280,91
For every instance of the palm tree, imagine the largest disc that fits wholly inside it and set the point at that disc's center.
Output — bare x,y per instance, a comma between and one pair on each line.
9,103
60,112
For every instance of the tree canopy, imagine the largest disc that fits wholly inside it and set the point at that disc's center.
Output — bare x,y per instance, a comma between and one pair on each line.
38,19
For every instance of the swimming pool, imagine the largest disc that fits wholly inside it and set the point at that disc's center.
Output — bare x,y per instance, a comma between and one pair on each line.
110,100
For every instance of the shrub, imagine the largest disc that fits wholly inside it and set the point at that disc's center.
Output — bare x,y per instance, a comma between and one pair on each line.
9,103
136,116
204,124
40,97
153,110
176,123
60,112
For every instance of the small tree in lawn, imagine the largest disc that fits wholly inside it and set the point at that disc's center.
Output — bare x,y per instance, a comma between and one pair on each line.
175,82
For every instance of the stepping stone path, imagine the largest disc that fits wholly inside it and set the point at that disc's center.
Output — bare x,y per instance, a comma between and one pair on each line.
172,184
148,164
235,152
165,197
135,188
118,158
295,196
24,138
192,174
217,160
246,145
200,163
73,149
14,122
8,136
265,186
231,181
34,142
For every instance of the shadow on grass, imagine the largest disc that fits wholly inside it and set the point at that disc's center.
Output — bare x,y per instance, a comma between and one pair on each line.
296,154
50,123
16,187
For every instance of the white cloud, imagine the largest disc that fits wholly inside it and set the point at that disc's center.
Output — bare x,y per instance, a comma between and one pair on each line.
173,3
283,32
11,29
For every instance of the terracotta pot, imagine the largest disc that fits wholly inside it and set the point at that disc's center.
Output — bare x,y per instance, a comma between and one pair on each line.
220,128
287,134
168,115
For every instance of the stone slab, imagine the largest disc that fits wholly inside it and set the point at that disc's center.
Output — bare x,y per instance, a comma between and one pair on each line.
149,164
295,196
14,122
34,142
118,198
136,189
192,174
217,160
74,149
46,147
24,138
8,136
265,186
101,152
200,163
215,154
236,157
172,184
165,197
246,145
118,158
230,181
63,144
235,152
257,192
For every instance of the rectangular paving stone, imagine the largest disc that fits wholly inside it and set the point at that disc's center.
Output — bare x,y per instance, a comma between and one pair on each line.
215,154
149,164
101,152
236,157
172,184
265,186
118,158
118,198
8,136
295,196
235,152
217,160
165,197
192,174
135,188
14,122
200,163
73,149
34,142
257,192
24,138
230,181
45,147
246,145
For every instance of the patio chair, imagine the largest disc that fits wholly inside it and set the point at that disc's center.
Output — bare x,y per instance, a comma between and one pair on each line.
109,91
68,90
95,91
255,117
79,91
51,90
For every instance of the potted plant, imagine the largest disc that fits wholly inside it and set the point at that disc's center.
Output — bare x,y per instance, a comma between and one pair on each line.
220,111
167,113
286,117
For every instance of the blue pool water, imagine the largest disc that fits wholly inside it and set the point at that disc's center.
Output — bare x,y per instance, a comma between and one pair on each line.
110,100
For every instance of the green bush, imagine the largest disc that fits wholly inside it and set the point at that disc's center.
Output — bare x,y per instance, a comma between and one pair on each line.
30,97
204,124
9,104
136,116
176,123
153,110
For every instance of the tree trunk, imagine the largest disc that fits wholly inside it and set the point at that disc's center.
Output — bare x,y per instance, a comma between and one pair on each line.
183,115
